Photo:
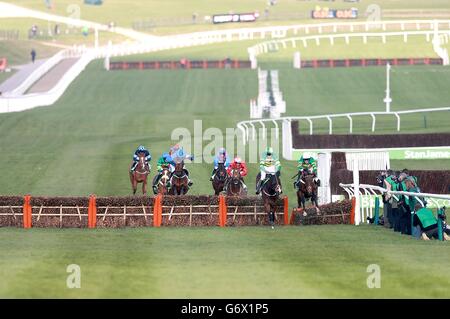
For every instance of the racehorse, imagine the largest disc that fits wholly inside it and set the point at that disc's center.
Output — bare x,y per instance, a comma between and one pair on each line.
234,186
179,180
163,181
307,190
140,174
219,179
271,190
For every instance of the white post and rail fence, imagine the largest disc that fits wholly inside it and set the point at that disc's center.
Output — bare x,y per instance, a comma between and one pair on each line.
366,199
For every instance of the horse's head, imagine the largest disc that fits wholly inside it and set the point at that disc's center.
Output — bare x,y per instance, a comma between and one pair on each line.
272,185
308,186
221,171
141,164
179,166
165,175
236,176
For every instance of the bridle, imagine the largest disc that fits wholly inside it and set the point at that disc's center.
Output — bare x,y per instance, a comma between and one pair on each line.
276,188
142,166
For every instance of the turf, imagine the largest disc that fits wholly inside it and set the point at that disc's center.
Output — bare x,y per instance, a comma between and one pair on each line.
246,262
18,52
83,144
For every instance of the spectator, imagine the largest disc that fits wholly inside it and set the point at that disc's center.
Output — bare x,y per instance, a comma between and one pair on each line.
426,224
390,183
183,63
386,205
34,31
33,55
227,63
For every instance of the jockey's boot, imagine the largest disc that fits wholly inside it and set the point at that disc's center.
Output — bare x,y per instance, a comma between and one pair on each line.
317,181
133,167
212,175
258,187
190,183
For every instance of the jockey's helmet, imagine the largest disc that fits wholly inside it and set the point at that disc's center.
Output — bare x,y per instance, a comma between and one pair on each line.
222,151
166,157
141,148
237,160
306,156
269,151
181,153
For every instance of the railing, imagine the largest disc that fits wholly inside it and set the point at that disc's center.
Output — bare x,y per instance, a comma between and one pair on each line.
246,126
370,191
264,47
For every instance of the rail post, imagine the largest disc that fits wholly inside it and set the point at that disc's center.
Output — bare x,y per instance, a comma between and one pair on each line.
157,211
440,228
92,212
352,211
377,210
286,210
222,211
27,212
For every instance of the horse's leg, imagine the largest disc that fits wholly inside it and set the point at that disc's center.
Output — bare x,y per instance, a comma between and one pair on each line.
317,205
144,187
134,186
299,199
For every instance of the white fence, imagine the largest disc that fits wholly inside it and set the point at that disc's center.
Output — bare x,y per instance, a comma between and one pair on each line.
249,125
264,47
364,192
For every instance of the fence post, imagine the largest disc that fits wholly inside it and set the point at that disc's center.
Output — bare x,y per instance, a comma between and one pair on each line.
286,210
157,211
352,211
440,228
27,212
222,211
92,212
377,210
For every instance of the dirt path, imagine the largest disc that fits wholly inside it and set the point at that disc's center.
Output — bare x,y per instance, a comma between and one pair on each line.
24,71
52,77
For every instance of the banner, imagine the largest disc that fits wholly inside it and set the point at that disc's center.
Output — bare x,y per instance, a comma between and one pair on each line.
420,153
417,153
238,17
327,13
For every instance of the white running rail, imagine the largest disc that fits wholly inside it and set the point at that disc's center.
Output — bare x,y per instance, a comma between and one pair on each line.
247,125
367,192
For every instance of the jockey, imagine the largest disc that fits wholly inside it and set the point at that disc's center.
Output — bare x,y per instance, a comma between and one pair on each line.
269,164
307,165
174,149
239,164
165,161
179,156
221,157
148,157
